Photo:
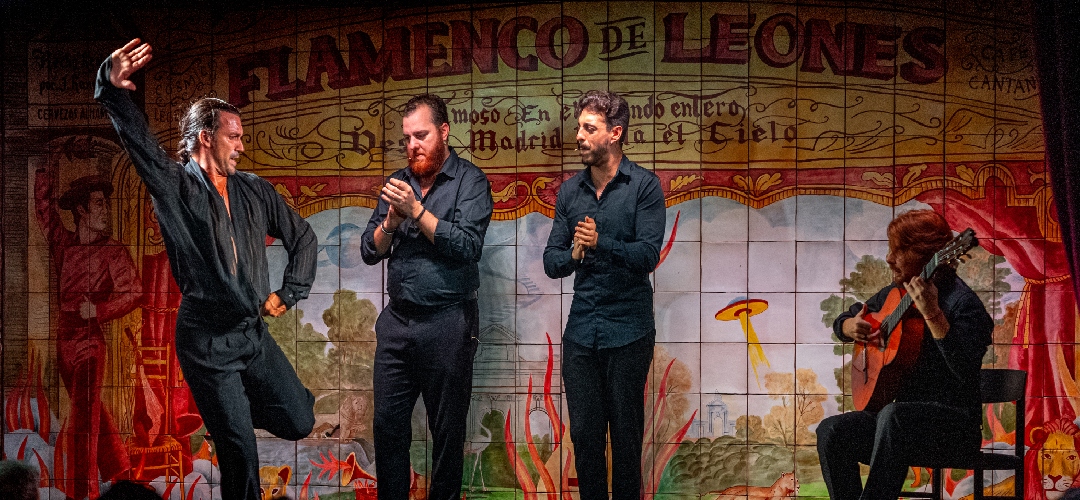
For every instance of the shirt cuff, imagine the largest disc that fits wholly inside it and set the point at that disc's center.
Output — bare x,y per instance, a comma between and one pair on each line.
839,329
102,84
287,298
604,243
574,263
442,233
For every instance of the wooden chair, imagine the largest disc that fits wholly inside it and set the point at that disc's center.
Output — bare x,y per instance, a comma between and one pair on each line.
997,386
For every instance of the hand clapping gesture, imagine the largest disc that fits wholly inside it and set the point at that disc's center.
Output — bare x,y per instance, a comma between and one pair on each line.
399,194
585,237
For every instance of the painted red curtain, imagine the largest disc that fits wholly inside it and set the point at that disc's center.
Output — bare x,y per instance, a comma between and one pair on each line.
1046,318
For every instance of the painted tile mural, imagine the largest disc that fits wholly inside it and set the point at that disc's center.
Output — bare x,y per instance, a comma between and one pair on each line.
786,137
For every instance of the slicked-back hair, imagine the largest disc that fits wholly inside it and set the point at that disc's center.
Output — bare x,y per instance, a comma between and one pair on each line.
202,115
433,102
610,105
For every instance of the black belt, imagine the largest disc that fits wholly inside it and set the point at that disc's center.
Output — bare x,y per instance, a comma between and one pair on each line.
212,315
409,308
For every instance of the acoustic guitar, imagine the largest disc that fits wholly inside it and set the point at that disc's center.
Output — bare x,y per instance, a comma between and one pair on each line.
879,368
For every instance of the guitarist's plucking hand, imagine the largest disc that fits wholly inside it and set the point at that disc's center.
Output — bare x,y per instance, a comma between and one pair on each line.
860,330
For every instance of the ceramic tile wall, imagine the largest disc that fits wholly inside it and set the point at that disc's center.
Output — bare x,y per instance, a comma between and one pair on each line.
781,166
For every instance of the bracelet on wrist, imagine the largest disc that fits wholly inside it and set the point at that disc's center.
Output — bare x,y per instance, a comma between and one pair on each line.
935,316
423,210
382,227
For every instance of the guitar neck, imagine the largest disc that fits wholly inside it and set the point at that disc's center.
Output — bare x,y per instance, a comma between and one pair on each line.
893,318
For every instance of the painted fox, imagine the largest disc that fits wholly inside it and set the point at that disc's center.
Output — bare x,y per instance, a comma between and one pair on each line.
785,487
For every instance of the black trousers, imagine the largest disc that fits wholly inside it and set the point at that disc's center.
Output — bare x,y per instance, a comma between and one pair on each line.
889,441
241,380
605,391
425,353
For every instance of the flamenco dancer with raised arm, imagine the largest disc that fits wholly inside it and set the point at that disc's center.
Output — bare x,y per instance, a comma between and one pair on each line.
934,409
215,220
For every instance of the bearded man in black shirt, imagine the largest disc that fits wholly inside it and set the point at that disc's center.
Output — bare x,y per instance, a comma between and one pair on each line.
607,232
429,225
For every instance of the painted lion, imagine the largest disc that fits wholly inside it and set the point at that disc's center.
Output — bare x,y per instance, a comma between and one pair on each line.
1052,460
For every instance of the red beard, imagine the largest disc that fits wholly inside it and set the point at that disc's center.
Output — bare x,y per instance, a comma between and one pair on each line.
426,165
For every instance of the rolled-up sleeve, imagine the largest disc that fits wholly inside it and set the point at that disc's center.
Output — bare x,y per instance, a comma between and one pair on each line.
462,239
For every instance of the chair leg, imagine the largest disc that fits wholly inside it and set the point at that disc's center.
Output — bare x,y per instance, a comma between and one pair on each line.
977,485
938,483
1019,488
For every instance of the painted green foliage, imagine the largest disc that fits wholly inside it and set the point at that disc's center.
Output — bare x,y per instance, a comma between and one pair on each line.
304,346
347,365
708,464
351,327
762,447
493,465
984,273
870,275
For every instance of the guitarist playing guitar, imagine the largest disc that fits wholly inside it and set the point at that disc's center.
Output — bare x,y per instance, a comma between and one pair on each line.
935,330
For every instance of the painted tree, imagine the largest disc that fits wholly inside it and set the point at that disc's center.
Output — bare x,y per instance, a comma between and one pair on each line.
809,396
675,401
984,274
303,345
497,470
665,413
749,428
800,397
870,275
350,326
998,353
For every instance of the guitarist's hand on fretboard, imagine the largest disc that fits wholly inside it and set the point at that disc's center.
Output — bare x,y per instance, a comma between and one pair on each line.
924,295
860,330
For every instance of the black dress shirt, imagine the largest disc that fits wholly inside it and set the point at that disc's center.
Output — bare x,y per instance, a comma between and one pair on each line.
613,304
947,370
198,230
426,274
